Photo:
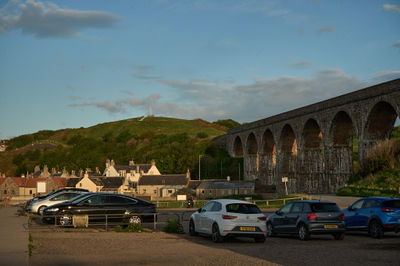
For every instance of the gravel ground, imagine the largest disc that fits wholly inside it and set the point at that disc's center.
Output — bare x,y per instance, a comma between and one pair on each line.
111,248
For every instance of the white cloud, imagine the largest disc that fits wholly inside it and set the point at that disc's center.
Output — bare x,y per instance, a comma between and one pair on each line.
391,8
301,65
387,75
51,21
397,44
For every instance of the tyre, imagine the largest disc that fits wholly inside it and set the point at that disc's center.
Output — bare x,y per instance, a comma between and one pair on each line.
304,234
270,230
375,229
259,239
135,219
338,236
65,219
192,229
216,236
40,210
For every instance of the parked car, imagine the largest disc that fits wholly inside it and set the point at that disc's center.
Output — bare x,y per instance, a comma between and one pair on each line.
38,206
228,218
27,203
118,208
305,218
375,215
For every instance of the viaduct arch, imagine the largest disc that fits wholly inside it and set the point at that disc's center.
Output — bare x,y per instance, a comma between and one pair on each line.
313,145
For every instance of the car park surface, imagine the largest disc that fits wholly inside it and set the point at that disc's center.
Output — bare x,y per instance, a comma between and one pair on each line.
376,215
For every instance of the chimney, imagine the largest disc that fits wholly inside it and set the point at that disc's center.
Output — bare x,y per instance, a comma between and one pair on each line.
112,163
137,169
53,171
37,168
131,163
107,163
153,162
97,170
80,172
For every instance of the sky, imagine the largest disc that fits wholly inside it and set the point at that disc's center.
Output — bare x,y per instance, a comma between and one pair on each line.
70,64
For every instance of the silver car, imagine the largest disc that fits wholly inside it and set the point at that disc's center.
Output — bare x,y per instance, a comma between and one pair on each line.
38,206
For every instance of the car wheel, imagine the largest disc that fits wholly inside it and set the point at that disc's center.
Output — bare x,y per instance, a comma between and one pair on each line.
259,239
216,236
304,234
375,229
338,236
65,219
192,229
270,230
40,210
135,219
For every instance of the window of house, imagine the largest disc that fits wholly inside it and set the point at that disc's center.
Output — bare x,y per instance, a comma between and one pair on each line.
169,191
5,191
30,192
202,191
80,184
155,191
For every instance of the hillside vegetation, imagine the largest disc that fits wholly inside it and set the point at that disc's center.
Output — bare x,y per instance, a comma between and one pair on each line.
175,144
380,173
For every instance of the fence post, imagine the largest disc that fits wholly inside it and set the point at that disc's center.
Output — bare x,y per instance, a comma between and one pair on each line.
106,222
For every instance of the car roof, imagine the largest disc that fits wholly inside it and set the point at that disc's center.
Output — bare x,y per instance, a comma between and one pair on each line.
314,201
382,198
230,201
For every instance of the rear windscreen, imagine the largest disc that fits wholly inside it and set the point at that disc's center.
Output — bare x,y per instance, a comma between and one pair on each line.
324,207
392,204
242,208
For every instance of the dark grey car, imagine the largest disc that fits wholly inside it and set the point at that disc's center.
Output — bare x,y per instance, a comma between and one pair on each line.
304,218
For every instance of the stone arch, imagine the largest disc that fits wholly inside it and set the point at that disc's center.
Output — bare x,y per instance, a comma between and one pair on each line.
251,144
339,151
380,121
237,148
287,155
251,161
268,159
311,159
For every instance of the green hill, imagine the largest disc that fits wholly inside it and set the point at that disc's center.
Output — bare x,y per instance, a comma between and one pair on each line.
174,143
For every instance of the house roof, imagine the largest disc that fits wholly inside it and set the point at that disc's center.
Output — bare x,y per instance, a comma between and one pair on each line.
60,181
142,167
2,179
174,180
193,184
224,184
32,182
20,181
108,182
71,182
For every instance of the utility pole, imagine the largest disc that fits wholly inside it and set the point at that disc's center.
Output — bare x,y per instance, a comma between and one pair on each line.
239,171
199,165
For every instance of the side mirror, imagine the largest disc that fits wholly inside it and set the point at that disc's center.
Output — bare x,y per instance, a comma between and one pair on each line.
199,210
278,212
350,209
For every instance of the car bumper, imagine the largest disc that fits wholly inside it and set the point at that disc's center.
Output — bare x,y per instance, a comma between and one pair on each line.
324,228
237,232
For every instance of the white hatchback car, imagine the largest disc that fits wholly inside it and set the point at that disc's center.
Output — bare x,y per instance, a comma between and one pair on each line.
39,205
223,218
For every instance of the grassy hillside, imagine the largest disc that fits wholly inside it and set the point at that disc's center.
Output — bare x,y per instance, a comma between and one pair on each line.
174,143
380,174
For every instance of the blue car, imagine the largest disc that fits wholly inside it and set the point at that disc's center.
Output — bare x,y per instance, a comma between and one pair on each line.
374,214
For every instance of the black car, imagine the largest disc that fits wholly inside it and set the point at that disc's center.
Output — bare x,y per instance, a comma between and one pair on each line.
102,207
304,218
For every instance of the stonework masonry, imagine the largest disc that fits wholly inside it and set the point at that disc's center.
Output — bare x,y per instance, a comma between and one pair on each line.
313,145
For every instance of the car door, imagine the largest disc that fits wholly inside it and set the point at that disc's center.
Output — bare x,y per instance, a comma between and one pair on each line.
368,210
115,207
94,208
212,216
293,216
203,216
280,220
352,216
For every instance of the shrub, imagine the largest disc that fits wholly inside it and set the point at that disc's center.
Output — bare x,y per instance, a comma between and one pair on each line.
202,135
381,156
132,228
173,227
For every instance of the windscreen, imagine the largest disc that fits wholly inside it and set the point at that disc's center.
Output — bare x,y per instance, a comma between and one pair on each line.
325,207
242,208
392,204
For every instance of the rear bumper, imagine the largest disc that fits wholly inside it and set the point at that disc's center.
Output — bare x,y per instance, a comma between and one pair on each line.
319,228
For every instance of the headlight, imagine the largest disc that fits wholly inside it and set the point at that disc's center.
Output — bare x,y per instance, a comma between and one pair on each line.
52,210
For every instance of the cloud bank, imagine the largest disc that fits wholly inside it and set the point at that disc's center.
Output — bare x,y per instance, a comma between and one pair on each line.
263,97
51,21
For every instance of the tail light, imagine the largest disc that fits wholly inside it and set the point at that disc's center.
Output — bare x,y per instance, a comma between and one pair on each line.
311,216
387,209
228,217
342,216
262,218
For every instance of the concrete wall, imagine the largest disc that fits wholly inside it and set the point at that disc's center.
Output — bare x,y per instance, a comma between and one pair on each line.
313,145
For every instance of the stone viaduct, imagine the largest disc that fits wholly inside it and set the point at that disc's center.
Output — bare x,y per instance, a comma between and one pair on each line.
313,145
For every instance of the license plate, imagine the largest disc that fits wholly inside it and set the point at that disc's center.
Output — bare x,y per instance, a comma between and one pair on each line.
330,226
247,228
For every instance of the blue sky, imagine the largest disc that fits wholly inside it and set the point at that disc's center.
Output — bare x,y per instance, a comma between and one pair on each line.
68,64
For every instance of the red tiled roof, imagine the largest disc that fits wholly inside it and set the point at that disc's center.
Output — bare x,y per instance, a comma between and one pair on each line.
2,179
20,181
32,182
60,181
